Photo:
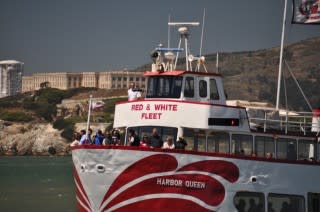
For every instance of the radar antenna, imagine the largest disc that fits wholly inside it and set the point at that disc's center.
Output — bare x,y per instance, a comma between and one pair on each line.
184,36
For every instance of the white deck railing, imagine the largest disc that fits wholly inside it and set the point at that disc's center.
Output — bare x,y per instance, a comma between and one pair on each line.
293,122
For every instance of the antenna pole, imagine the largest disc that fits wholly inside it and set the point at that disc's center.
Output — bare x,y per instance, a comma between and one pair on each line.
281,54
203,18
186,46
169,31
175,63
88,119
217,62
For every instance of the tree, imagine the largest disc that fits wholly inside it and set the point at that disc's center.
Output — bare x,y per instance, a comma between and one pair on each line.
45,84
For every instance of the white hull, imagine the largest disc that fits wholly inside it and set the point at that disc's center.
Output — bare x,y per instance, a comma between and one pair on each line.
124,178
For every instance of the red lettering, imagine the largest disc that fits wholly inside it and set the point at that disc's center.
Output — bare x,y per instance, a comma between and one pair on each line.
147,116
166,107
137,107
175,108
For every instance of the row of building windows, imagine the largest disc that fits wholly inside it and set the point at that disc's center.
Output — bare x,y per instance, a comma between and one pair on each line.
119,86
67,80
248,145
131,79
255,202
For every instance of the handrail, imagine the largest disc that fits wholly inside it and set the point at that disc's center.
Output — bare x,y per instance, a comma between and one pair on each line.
296,122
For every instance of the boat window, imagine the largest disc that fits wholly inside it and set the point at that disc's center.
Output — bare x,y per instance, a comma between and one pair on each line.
218,142
200,141
162,131
286,148
164,87
169,131
263,145
189,87
313,202
196,139
241,144
203,88
214,94
188,135
284,202
305,150
249,201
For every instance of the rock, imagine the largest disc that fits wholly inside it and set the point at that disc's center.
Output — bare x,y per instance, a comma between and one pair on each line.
32,139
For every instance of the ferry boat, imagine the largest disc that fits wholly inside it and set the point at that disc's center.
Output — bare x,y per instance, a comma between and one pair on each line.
233,160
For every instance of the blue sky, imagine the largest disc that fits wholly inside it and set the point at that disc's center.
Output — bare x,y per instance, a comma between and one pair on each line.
100,35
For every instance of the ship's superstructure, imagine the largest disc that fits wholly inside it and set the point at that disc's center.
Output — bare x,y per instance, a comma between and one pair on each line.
233,161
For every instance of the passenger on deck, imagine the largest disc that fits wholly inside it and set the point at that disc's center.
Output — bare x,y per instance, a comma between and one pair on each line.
115,137
180,143
89,136
155,140
133,139
242,153
168,144
144,142
84,139
133,92
269,155
98,138
107,139
76,139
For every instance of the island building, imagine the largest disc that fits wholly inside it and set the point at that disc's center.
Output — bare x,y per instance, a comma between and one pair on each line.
11,72
66,80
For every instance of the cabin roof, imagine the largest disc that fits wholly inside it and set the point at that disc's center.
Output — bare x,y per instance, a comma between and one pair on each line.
179,73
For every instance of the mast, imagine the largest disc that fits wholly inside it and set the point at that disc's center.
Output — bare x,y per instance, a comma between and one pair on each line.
217,62
281,54
88,119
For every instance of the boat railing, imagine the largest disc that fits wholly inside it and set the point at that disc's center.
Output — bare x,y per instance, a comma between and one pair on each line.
288,122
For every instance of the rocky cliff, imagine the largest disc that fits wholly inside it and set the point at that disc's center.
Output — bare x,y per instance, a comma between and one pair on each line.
31,139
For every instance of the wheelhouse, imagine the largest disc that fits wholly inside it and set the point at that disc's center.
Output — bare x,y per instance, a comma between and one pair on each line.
183,85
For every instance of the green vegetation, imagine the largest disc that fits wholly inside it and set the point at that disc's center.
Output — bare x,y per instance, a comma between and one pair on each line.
15,116
11,101
43,102
67,126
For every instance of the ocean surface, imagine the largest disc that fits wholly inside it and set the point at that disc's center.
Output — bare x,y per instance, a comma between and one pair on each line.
36,184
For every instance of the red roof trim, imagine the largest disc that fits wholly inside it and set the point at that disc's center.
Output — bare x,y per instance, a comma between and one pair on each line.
180,101
190,152
179,73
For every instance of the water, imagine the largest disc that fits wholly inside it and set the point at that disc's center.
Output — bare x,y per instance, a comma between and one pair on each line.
36,184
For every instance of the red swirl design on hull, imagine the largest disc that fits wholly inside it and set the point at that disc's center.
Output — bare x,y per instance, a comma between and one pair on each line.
159,184
212,193
148,165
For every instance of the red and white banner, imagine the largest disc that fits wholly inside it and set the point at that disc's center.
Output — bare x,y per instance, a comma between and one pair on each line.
97,104
306,12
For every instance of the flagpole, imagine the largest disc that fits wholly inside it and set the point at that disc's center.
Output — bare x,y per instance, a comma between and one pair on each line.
281,54
88,119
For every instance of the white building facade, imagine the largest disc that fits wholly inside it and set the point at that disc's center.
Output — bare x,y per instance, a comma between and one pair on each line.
11,72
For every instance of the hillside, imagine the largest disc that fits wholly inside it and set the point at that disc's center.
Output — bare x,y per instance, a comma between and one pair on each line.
253,75
29,124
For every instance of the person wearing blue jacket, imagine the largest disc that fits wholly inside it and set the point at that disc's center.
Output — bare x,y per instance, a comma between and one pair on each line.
98,138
